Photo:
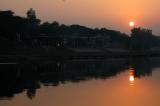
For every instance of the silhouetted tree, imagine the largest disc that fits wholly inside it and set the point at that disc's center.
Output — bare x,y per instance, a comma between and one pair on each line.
19,31
31,14
141,39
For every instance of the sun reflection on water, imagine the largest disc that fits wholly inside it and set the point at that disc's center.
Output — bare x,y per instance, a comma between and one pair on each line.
131,76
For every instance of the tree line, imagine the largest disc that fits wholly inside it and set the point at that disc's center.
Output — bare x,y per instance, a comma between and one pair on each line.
18,31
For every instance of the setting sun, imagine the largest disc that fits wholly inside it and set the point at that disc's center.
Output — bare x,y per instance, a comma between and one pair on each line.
131,24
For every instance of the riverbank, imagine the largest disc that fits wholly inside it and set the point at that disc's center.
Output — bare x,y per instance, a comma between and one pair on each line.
70,53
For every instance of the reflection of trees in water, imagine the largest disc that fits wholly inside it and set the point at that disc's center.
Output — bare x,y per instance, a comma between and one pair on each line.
143,66
16,78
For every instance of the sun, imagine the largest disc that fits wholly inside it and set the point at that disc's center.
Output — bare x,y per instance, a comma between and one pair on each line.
131,23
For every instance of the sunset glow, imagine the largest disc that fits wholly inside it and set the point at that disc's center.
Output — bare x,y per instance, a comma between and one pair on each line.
112,14
80,52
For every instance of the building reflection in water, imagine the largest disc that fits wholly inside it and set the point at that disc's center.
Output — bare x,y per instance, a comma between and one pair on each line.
131,76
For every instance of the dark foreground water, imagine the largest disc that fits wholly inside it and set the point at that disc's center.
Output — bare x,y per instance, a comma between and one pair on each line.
109,82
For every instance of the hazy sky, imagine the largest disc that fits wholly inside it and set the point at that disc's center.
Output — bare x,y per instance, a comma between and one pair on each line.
112,14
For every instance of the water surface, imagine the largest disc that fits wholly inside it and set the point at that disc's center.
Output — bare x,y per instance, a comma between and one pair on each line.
111,82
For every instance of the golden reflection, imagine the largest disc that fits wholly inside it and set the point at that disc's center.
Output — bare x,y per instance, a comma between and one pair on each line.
131,76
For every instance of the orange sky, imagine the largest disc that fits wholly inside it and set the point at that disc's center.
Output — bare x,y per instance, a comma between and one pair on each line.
113,14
